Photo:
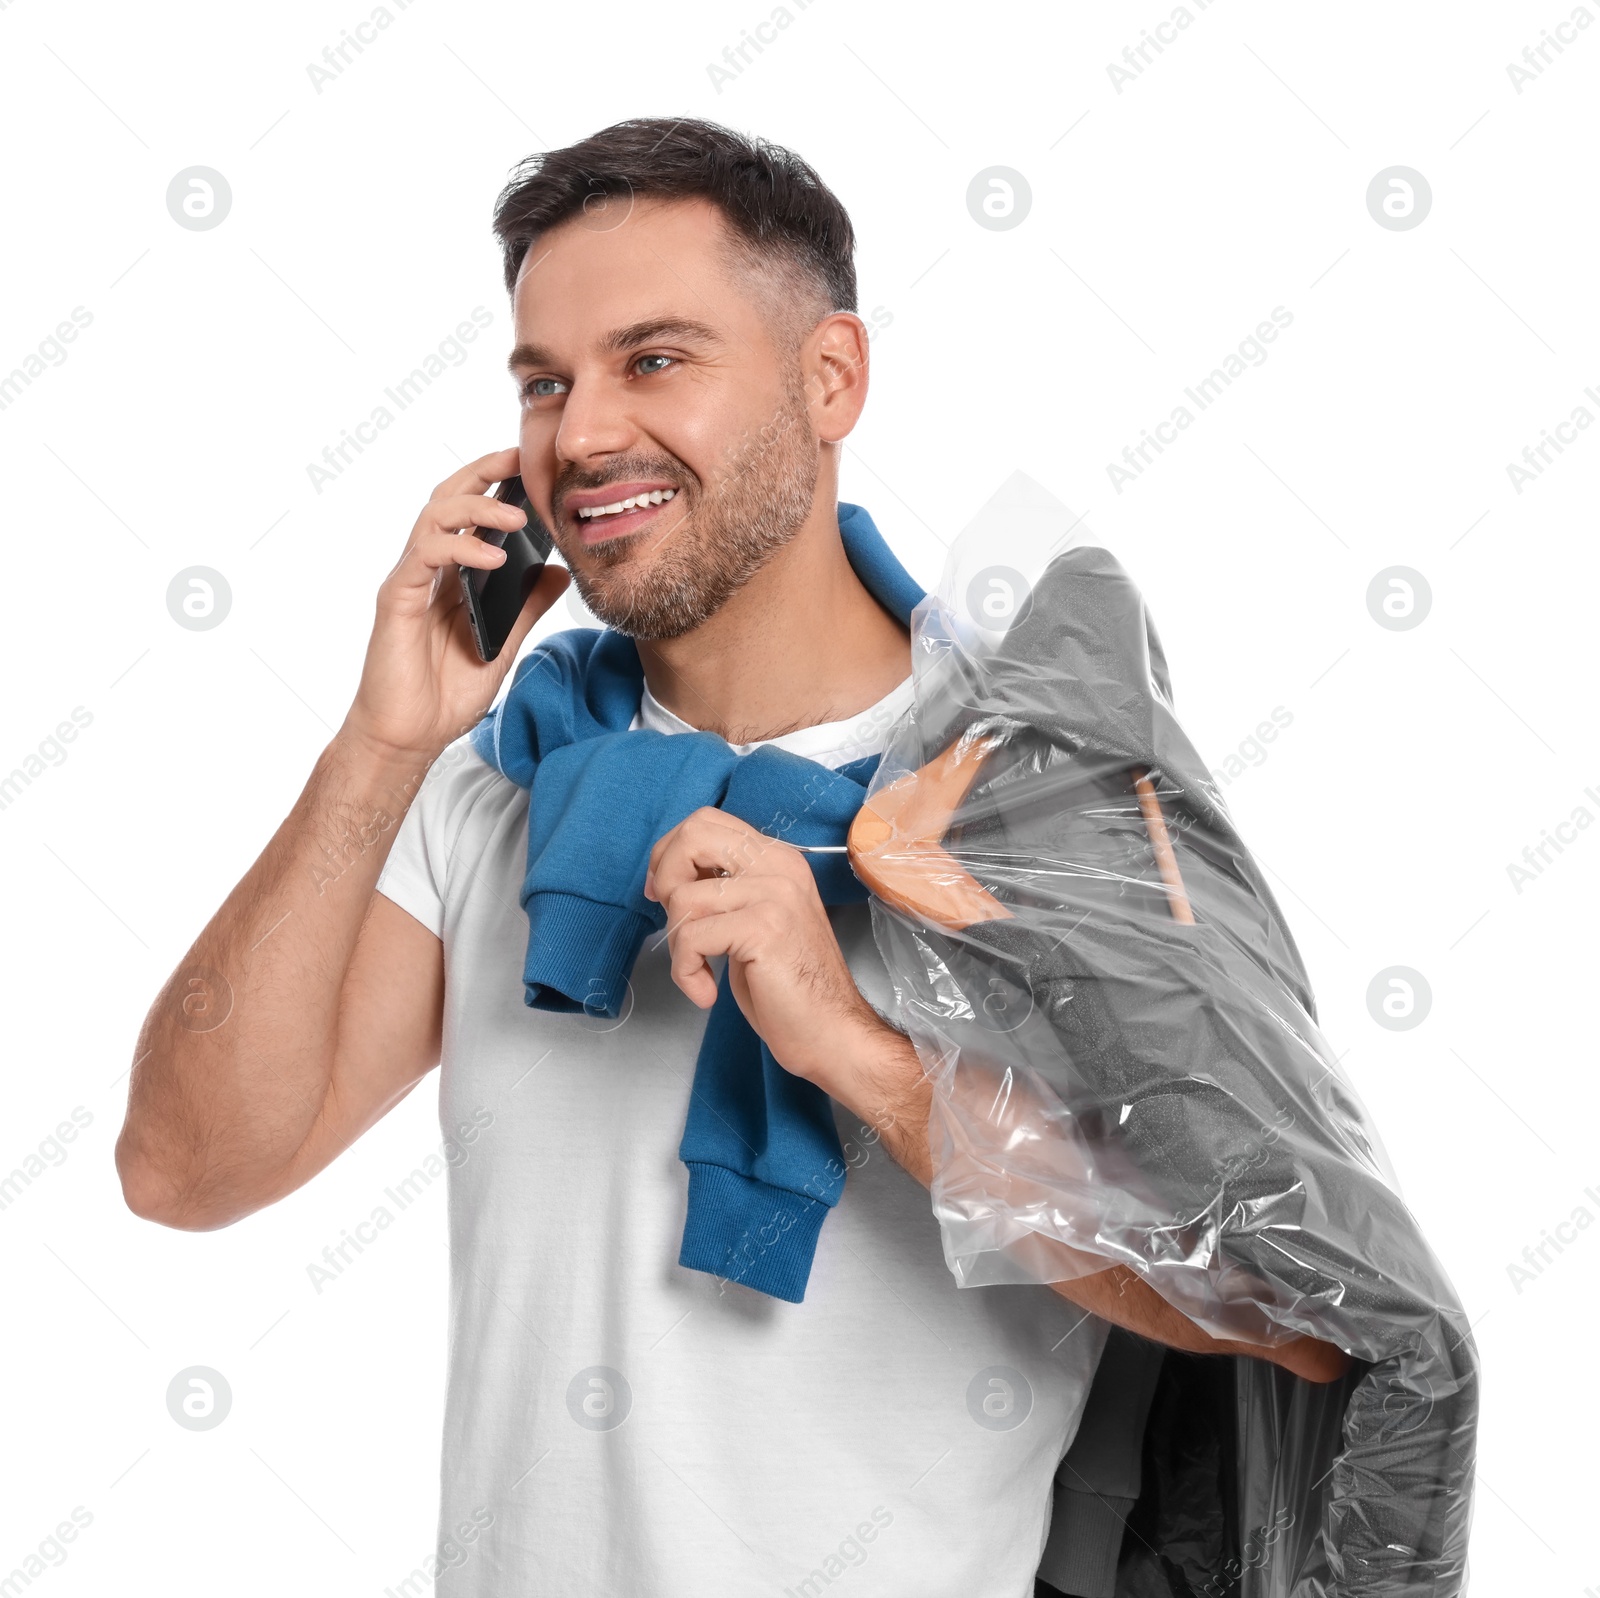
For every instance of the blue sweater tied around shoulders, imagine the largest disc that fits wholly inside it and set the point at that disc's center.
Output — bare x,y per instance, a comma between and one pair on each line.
764,1160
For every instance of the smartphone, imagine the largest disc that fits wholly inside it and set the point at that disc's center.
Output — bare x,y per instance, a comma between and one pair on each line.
494,599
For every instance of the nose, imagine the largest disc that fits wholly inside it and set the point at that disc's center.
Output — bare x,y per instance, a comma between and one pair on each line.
594,421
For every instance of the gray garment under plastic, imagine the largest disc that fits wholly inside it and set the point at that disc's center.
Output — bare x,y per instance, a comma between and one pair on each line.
1100,1477
1116,1083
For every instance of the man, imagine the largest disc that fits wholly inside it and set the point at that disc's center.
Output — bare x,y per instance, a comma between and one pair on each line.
689,362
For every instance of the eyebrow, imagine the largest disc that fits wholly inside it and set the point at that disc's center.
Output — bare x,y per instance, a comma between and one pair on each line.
653,330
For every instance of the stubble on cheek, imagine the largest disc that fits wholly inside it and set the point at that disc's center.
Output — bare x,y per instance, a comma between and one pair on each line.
662,584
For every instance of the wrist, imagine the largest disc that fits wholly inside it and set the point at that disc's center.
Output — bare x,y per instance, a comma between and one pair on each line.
371,769
881,1081
364,746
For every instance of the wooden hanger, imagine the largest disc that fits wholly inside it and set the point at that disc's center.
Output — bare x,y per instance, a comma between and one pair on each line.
896,842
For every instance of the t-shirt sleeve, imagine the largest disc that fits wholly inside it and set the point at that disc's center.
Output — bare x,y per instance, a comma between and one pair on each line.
416,876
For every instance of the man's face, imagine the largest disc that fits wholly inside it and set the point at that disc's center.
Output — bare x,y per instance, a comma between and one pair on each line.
649,372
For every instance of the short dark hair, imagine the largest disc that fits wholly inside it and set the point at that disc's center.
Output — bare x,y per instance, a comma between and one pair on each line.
779,212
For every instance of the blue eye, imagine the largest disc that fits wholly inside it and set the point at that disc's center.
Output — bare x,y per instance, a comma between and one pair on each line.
542,387
666,360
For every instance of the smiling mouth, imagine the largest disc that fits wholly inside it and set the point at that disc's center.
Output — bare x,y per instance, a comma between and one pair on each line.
603,522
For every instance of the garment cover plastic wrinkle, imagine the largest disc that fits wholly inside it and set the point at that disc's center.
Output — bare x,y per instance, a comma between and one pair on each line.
1128,1070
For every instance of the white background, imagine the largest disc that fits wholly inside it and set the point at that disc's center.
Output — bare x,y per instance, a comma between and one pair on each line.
1167,220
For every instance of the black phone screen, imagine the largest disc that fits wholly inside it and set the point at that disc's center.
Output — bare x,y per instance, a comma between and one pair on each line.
494,599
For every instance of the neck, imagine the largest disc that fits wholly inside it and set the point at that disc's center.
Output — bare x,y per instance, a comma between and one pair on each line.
801,643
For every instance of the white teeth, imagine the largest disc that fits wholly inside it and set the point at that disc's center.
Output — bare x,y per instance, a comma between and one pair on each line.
656,496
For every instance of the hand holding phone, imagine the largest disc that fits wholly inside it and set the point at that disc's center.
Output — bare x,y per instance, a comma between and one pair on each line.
422,682
494,599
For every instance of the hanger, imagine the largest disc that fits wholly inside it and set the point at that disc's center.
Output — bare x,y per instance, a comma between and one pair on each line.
895,842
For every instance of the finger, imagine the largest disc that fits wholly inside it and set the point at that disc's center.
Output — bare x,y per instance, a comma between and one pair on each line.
478,476
412,581
710,896
432,549
547,587
697,901
442,520
697,942
445,535
672,844
462,512
710,840
656,850
704,843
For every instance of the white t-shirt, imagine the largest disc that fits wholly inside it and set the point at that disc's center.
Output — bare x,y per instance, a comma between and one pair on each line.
618,1425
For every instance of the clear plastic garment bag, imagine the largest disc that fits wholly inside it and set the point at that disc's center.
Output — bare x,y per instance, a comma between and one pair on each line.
1128,1070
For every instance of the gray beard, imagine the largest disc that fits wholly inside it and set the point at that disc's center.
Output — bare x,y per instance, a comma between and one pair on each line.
727,535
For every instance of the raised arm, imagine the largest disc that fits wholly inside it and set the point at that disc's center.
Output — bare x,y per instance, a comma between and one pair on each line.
309,1005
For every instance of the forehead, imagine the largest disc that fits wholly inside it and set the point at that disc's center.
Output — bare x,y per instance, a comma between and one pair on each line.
625,259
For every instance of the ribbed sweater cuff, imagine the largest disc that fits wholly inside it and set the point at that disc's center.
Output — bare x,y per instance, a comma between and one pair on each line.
750,1232
1085,1542
580,953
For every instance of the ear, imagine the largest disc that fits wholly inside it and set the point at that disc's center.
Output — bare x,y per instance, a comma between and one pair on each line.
834,361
